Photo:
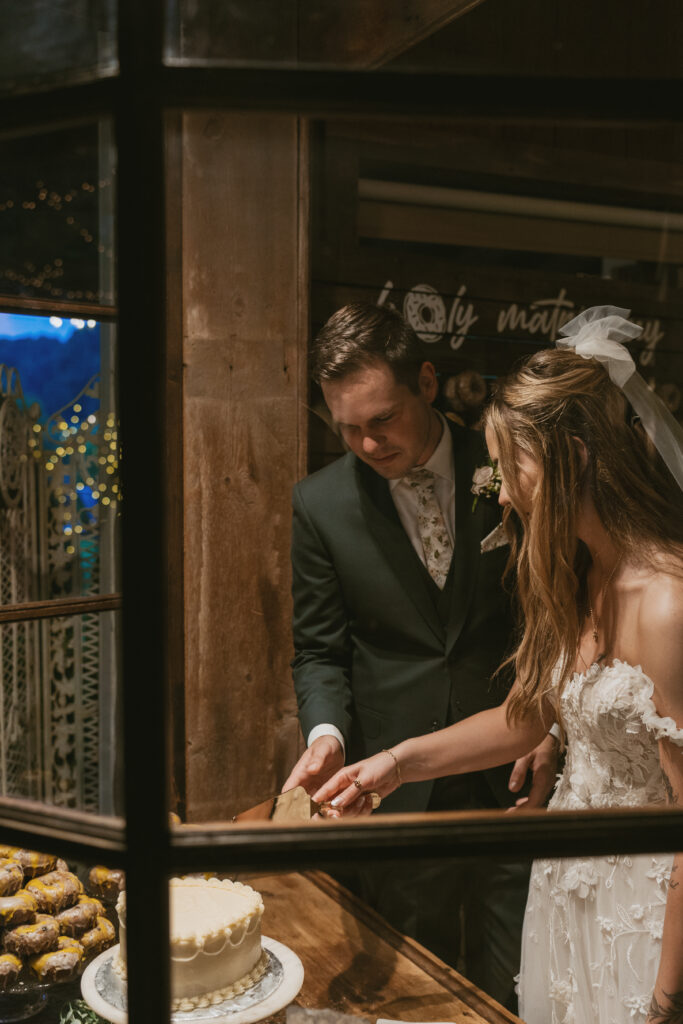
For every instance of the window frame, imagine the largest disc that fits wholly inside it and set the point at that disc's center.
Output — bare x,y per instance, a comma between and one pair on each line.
139,99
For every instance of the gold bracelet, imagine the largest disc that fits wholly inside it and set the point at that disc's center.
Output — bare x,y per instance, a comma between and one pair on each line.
392,755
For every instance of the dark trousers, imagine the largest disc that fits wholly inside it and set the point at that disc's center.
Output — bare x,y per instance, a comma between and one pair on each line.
468,912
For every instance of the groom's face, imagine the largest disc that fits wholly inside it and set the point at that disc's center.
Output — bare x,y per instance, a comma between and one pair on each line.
383,422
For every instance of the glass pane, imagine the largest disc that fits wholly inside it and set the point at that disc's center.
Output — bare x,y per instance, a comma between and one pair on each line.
487,240
59,719
59,480
56,43
56,216
584,916
502,37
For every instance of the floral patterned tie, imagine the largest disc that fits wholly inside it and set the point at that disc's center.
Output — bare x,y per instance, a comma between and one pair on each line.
431,525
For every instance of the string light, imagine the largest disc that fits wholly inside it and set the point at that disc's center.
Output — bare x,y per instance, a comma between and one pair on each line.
29,276
76,493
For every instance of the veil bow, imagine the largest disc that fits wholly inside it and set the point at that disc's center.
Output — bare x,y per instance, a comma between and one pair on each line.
599,333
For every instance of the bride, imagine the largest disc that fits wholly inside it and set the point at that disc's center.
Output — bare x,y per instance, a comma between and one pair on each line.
592,471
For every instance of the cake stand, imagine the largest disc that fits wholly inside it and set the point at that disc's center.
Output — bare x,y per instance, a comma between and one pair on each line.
106,993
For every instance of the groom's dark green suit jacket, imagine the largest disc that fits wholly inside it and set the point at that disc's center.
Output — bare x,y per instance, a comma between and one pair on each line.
380,652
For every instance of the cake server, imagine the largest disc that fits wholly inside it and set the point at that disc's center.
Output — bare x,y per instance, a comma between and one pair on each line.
294,805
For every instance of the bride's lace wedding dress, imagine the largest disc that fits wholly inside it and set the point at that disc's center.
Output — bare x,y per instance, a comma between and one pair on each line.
593,925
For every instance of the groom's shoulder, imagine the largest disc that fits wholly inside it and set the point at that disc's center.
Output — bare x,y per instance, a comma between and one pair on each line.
330,484
469,441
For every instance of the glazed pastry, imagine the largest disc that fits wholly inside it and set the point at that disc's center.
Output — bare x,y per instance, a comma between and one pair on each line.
55,891
32,862
17,909
11,877
98,938
106,883
10,966
32,939
81,917
62,964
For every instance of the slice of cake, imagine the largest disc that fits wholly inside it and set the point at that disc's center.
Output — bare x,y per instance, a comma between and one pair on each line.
216,950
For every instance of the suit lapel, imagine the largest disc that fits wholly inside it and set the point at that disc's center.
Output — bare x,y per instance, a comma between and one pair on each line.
385,526
466,553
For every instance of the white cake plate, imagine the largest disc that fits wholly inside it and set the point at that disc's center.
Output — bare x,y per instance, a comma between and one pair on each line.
105,992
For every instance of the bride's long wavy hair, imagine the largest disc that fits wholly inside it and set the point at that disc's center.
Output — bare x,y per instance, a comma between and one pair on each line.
554,398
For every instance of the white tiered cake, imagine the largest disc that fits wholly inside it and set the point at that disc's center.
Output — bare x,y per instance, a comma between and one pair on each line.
216,950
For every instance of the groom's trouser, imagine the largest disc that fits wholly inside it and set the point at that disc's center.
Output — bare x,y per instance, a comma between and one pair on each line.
468,912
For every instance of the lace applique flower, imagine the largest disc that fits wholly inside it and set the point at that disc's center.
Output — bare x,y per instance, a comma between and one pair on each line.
660,871
637,1004
581,879
608,927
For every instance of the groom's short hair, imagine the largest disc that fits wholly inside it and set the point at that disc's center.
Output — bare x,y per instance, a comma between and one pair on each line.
360,334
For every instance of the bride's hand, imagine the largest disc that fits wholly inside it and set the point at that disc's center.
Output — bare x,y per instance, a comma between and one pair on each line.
348,790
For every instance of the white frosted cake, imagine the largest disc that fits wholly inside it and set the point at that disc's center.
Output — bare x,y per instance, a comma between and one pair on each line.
216,950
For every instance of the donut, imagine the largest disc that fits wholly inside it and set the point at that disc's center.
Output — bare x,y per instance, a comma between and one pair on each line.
106,883
17,909
11,877
98,938
32,939
61,964
10,966
55,891
79,918
34,863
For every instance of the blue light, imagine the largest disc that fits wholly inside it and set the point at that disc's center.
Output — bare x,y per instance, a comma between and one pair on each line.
14,327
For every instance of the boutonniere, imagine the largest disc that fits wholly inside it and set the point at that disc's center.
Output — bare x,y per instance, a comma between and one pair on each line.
486,482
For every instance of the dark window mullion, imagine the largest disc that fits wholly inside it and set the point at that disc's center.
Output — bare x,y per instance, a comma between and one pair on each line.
57,307
141,267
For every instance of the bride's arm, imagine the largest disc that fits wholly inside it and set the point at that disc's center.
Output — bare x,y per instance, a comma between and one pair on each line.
662,660
482,741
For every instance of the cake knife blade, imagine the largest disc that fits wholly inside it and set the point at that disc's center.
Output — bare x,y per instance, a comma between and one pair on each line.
294,805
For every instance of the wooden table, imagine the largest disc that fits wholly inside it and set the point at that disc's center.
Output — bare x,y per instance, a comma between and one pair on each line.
354,962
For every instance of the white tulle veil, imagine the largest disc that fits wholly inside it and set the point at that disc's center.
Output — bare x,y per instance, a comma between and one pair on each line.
599,333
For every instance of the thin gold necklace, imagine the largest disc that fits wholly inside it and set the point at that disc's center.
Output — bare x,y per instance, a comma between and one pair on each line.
602,600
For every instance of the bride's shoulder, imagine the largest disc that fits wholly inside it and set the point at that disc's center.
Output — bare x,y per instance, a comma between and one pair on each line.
660,602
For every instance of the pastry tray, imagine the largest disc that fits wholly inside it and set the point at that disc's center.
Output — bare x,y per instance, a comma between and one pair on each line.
25,999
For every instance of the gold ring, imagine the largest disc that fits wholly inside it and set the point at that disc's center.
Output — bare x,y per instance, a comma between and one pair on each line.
358,784
376,800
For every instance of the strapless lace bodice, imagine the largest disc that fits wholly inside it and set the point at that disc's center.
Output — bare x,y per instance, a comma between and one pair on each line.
593,925
611,723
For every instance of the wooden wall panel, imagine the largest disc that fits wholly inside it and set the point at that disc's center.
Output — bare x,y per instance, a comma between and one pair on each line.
244,247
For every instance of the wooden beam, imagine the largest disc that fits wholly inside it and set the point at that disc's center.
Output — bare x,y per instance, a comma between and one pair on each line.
404,222
355,33
245,304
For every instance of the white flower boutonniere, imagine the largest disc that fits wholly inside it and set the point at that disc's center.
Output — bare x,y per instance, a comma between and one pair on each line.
485,482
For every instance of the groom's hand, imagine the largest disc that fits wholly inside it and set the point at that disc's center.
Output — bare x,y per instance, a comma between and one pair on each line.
542,763
316,765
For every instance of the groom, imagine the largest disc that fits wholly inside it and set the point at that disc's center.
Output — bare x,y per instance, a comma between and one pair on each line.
400,622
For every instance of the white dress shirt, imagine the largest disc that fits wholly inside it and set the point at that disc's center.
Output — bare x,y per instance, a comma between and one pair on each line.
404,497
